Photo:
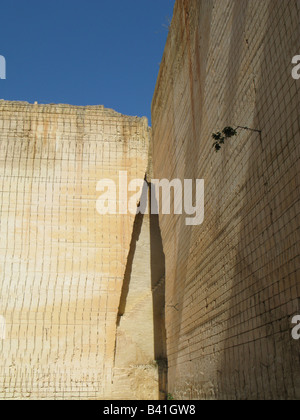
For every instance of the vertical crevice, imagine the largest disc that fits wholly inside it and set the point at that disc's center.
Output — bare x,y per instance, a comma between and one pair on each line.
158,295
156,258
137,227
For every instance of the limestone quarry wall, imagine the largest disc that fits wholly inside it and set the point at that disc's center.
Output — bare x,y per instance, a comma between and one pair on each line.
232,283
62,264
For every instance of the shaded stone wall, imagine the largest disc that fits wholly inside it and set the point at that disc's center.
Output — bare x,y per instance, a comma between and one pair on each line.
232,284
62,265
140,357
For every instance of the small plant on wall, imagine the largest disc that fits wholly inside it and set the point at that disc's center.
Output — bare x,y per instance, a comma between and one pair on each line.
227,133
220,137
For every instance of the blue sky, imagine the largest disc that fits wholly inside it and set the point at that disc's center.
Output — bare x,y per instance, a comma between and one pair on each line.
92,52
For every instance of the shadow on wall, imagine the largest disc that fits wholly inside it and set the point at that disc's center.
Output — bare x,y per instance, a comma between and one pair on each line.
137,227
258,353
157,266
229,309
158,295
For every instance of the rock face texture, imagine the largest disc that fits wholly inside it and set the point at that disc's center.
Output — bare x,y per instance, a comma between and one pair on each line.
62,264
85,297
232,283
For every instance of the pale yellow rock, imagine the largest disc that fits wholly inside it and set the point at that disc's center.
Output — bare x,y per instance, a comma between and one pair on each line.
61,263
